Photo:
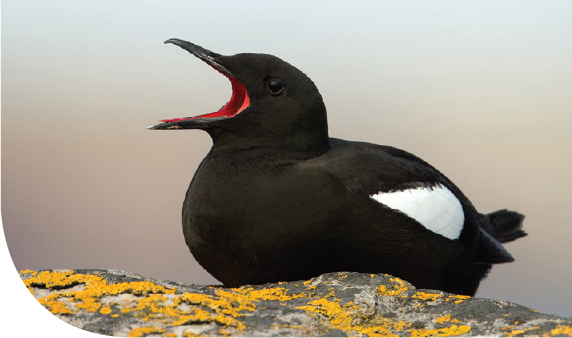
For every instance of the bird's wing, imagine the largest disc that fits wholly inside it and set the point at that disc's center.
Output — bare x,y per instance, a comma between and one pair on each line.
370,169
376,170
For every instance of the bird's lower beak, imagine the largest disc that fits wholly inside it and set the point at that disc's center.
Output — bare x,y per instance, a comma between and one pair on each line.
238,101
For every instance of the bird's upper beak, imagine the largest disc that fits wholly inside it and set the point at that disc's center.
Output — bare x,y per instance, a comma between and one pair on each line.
238,101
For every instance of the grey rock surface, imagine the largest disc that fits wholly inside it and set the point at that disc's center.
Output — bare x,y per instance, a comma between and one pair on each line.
119,303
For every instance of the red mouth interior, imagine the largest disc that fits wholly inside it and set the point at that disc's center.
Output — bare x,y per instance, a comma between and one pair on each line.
238,102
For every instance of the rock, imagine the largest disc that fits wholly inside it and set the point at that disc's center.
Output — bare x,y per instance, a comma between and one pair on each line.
119,303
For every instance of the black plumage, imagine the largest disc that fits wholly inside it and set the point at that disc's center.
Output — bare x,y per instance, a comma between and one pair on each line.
277,199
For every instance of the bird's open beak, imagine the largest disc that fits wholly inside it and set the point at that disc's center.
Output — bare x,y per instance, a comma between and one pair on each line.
238,101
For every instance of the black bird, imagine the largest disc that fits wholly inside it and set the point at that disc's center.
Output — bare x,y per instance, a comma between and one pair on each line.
277,199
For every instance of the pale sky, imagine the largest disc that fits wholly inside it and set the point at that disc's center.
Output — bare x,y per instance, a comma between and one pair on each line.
481,90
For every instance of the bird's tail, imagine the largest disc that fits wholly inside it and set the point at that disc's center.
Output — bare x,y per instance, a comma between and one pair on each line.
498,227
505,226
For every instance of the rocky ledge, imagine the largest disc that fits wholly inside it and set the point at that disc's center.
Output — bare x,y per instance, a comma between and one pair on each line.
119,303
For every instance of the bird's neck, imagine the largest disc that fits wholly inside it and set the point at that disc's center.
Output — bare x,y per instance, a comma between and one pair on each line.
271,154
293,147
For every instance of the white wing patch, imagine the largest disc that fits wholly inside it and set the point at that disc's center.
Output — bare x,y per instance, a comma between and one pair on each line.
435,208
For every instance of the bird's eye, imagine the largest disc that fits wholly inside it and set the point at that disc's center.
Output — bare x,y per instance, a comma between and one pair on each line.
275,87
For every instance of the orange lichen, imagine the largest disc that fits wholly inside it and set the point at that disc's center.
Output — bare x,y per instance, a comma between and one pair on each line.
149,302
94,288
515,333
159,303
90,304
459,298
60,280
141,331
561,330
454,330
346,318
278,294
56,307
332,310
446,318
33,273
105,310
199,316
226,306
164,307
396,289
426,296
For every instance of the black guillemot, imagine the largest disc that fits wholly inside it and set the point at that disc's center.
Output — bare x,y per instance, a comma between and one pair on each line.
277,199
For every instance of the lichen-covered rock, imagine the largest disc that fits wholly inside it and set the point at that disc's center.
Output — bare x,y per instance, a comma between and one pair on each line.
114,302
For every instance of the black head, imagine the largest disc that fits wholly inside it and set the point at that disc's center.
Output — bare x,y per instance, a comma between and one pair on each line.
273,104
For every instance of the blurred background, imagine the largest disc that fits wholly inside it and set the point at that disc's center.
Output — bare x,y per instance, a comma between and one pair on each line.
481,90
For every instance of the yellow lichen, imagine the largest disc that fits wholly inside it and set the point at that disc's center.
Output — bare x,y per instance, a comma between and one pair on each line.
380,326
199,316
454,330
346,318
396,289
426,296
515,333
56,307
561,330
34,273
155,307
446,318
150,307
229,304
94,288
152,302
337,316
59,280
141,331
459,298
105,310
226,302
279,294
90,304
224,332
